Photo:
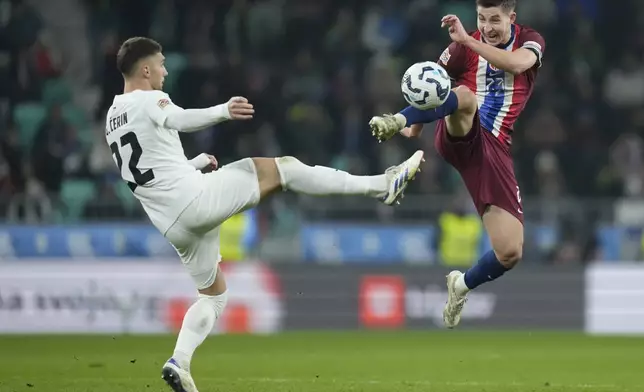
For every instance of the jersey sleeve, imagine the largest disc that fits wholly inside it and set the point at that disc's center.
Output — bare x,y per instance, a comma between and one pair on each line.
533,41
158,106
454,60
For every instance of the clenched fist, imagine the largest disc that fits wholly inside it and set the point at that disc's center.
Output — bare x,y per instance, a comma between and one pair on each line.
240,109
212,164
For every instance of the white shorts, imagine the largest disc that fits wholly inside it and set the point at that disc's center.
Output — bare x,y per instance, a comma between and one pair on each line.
195,235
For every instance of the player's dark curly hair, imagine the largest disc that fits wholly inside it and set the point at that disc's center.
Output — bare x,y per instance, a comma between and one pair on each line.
133,50
505,5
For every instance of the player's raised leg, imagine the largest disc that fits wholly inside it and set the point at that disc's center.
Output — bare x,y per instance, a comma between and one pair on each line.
291,174
458,109
197,324
506,235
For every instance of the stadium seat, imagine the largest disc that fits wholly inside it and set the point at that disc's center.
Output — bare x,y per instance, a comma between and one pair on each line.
74,196
28,118
75,116
56,91
125,196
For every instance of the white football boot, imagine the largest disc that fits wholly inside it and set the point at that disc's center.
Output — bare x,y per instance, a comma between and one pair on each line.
177,378
386,126
400,176
455,301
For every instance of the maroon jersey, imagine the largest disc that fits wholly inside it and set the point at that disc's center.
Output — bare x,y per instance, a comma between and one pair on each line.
501,95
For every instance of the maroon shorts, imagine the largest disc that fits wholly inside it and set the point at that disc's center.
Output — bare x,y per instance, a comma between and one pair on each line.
485,164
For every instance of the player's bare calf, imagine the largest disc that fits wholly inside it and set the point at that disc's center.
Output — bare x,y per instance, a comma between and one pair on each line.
506,235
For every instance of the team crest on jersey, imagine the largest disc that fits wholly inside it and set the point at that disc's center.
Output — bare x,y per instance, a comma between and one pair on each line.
445,56
163,103
493,68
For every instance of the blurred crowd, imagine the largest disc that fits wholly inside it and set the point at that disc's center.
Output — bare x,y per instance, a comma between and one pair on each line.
316,70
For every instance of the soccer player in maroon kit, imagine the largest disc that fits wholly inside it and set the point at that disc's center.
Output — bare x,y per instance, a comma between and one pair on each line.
494,69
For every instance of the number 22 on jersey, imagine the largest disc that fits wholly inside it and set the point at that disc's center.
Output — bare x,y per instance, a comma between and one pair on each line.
140,178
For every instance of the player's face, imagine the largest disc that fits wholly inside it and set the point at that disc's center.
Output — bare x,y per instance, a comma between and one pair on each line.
495,24
155,71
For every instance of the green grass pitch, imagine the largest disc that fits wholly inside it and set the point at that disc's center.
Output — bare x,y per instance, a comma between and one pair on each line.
455,361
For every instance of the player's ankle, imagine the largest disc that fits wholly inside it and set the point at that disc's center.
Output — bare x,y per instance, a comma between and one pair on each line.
460,286
182,359
401,120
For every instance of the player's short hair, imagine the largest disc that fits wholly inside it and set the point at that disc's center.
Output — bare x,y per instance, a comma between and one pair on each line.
133,50
505,5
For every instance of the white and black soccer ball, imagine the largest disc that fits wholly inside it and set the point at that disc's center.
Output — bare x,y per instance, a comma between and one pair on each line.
426,85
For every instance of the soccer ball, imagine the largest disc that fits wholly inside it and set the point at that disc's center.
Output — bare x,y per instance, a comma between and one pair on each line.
426,85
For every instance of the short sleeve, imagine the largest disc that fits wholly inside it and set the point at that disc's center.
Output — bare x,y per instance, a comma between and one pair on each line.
454,60
158,106
532,40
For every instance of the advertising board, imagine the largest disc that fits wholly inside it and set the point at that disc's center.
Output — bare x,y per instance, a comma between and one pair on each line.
615,298
128,297
399,296
151,297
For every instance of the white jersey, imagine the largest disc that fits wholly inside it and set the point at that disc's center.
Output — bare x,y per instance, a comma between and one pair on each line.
150,156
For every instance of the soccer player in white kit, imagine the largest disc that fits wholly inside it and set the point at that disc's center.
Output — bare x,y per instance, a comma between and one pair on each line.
187,205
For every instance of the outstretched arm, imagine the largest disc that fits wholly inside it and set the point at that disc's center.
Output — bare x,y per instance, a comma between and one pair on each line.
191,120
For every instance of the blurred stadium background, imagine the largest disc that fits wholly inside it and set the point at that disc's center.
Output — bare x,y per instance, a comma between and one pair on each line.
79,256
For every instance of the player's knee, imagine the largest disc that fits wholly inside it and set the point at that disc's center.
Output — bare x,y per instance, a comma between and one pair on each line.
509,253
467,101
214,285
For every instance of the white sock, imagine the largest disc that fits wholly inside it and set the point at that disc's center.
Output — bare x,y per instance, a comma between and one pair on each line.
321,180
460,286
197,325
